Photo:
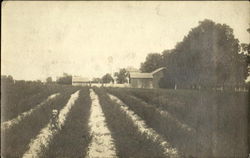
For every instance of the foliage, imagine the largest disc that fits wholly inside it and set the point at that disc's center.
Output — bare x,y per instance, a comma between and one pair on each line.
65,79
107,78
97,80
49,80
153,61
208,56
121,76
167,82
245,50
7,80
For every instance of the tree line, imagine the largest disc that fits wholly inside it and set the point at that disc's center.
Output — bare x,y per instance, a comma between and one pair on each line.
120,77
209,56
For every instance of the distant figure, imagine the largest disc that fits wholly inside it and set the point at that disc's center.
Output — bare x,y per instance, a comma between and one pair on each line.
54,119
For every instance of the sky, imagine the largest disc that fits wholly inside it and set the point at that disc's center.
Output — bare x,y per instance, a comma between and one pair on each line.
89,39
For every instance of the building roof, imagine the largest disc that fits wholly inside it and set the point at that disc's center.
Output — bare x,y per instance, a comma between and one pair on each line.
140,75
80,79
159,69
145,75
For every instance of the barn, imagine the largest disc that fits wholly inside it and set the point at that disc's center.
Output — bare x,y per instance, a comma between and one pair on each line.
146,80
80,81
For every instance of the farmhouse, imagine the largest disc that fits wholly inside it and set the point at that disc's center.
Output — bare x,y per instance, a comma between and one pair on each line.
80,81
146,80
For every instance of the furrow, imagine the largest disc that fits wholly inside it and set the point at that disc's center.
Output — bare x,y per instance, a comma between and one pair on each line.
102,143
149,132
43,139
8,124
168,115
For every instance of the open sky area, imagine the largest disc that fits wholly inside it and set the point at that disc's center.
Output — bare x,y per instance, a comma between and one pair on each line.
41,39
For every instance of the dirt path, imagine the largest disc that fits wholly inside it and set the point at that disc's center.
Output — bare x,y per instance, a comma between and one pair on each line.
148,132
8,124
43,139
167,115
102,144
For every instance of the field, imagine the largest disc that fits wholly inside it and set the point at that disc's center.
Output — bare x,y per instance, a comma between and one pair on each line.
121,122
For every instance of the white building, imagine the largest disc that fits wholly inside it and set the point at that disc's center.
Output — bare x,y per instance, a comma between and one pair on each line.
80,81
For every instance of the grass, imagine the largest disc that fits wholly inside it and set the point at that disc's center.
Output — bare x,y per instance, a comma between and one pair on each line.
218,117
15,140
129,142
73,139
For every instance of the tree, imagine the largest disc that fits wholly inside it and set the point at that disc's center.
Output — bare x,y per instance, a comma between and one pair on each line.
167,82
96,80
207,56
153,61
49,80
121,76
65,79
245,53
107,78
245,49
6,79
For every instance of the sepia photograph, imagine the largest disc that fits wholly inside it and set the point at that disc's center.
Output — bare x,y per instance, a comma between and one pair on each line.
125,79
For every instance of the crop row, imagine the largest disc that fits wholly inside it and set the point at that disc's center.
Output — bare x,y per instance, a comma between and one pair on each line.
138,126
182,140
129,141
15,141
216,117
20,97
73,139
